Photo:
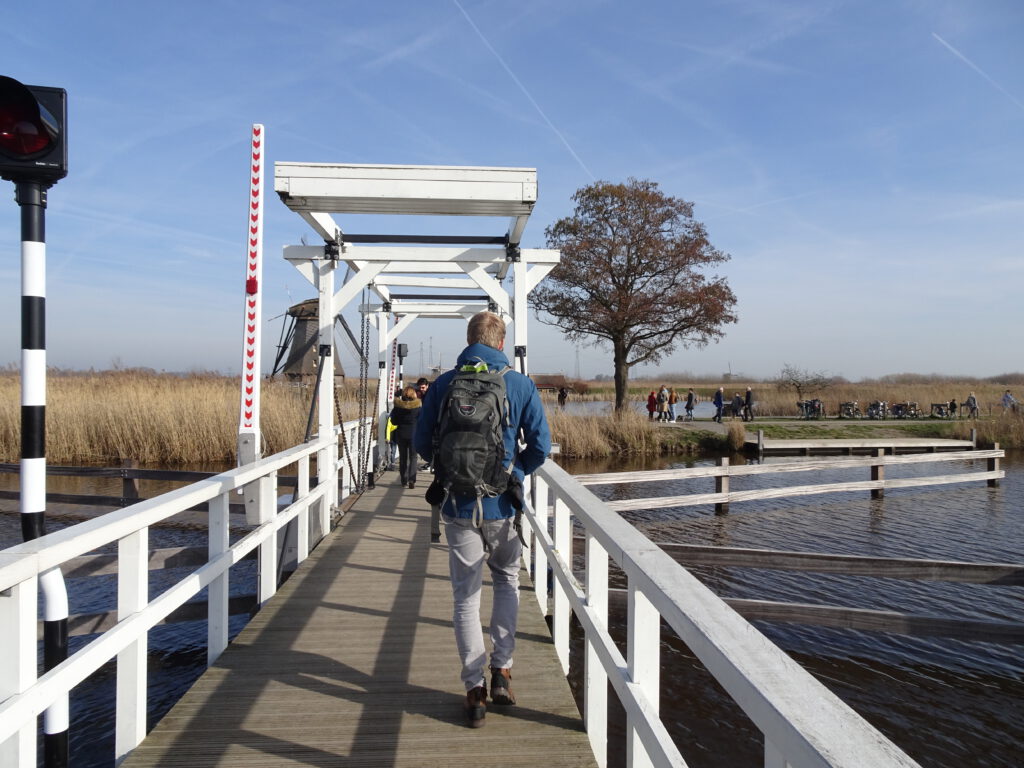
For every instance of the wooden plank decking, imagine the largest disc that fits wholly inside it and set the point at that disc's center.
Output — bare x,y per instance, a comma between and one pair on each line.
353,663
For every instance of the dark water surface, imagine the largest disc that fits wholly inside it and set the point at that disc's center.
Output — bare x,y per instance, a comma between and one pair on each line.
945,702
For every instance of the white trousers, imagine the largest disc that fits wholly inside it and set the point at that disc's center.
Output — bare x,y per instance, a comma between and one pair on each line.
466,559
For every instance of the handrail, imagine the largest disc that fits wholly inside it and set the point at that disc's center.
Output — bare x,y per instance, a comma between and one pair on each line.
804,724
23,696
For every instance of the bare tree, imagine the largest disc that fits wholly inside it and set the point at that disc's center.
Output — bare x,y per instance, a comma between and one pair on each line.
802,380
632,276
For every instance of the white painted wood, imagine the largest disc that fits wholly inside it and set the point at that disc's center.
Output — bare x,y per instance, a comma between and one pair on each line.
540,560
132,679
267,557
608,478
595,679
422,256
653,734
643,655
808,724
18,666
661,502
561,612
416,190
352,288
520,310
492,287
301,490
217,608
773,758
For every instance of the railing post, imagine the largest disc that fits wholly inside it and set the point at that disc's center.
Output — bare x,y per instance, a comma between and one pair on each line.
644,663
878,473
266,499
595,686
722,485
540,559
132,597
773,758
760,444
217,609
301,491
562,611
993,466
18,606
129,484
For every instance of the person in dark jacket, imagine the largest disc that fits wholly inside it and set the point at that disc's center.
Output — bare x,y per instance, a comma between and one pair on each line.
737,406
748,405
652,405
691,400
481,531
404,416
719,403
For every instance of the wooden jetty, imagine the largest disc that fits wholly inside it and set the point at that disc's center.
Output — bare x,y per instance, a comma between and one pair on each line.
846,446
353,663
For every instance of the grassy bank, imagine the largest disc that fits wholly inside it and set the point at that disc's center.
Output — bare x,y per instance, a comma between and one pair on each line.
630,434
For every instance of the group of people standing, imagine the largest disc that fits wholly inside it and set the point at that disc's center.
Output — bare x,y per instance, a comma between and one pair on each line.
661,405
742,405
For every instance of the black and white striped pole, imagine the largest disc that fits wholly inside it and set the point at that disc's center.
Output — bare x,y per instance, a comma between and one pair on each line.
33,154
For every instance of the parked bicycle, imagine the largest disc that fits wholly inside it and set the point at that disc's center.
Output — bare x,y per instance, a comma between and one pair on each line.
811,409
850,410
878,410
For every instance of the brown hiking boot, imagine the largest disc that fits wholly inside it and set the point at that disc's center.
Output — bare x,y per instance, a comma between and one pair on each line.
501,691
475,706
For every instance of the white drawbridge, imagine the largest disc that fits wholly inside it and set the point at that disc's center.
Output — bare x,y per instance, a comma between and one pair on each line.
405,276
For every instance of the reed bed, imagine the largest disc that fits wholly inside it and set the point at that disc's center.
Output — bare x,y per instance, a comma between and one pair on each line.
626,434
169,420
156,419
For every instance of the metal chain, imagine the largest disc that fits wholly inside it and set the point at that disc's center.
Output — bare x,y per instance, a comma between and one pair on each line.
364,374
344,438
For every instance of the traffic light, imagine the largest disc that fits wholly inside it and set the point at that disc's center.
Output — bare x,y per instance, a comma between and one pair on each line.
33,137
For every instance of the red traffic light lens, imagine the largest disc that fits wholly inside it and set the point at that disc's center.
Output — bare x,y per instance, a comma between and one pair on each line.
26,128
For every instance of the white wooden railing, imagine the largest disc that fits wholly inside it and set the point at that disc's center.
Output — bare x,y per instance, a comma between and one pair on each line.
23,695
804,724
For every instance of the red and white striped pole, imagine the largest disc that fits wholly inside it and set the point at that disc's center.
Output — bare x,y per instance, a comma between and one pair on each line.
249,409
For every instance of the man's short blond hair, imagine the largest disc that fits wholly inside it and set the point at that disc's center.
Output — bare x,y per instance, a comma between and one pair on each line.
486,328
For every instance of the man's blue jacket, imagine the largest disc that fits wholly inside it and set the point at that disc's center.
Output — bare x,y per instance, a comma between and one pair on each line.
525,412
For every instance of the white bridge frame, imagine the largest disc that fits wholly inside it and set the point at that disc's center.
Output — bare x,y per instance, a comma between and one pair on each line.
317,191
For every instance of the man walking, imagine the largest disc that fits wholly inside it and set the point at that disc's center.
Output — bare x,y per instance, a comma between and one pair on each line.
719,403
480,530
748,405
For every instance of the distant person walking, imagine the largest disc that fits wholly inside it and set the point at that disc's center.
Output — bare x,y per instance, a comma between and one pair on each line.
652,405
673,398
737,406
971,405
952,408
748,405
719,403
1009,402
663,403
563,395
691,400
404,415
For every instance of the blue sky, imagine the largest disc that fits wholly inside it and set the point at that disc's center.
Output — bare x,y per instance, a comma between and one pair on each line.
860,161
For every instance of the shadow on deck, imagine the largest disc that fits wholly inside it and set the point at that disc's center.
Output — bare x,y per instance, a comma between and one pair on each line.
353,663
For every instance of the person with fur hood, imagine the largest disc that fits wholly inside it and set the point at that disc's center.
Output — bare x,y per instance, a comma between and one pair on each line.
404,416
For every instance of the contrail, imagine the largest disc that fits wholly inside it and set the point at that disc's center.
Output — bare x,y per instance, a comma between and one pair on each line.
977,69
526,93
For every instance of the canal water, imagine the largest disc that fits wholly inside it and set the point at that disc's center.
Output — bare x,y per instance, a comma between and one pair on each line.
945,702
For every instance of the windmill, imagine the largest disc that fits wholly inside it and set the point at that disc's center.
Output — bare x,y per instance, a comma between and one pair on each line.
297,349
